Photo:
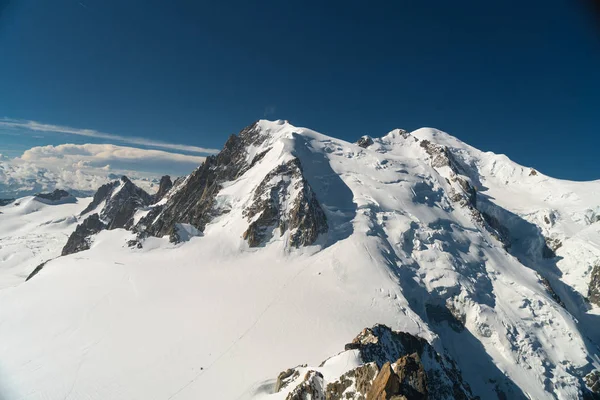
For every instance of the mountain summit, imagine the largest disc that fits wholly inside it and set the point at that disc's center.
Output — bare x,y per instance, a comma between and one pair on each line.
463,273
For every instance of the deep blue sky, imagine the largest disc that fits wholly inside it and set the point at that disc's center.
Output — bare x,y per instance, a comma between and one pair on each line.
514,77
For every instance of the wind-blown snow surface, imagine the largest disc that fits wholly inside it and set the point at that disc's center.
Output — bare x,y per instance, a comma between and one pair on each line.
32,231
213,318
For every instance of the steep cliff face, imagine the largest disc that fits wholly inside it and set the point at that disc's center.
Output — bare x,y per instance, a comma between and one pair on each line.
117,203
193,203
163,188
81,239
284,200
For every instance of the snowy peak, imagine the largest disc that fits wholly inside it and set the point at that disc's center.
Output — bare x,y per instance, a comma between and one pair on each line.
116,204
281,197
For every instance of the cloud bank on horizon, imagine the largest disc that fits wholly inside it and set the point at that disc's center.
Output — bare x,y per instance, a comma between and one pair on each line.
82,168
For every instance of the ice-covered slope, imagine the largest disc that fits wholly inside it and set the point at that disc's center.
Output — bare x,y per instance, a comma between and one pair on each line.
34,230
296,241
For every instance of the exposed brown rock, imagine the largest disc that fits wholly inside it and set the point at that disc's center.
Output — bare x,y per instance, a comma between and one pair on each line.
354,384
284,378
385,385
310,388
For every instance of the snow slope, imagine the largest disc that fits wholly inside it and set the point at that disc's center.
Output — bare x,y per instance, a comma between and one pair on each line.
32,231
214,318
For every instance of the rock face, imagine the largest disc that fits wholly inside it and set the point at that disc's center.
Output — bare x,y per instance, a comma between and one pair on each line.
124,200
5,202
285,185
36,270
310,388
594,287
385,385
56,195
163,188
365,141
592,381
396,365
80,239
101,195
120,200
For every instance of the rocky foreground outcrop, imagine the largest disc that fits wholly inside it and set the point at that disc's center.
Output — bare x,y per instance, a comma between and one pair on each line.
395,365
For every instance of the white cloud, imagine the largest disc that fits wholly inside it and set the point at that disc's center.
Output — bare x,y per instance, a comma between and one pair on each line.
41,127
84,167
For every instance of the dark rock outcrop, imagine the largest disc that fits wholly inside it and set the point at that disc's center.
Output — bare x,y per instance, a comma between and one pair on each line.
440,313
80,239
101,195
365,141
56,195
412,376
546,283
305,220
592,381
5,202
121,200
550,247
37,270
594,287
163,188
122,204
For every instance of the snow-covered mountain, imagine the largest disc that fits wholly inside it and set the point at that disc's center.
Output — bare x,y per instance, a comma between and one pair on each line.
462,273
